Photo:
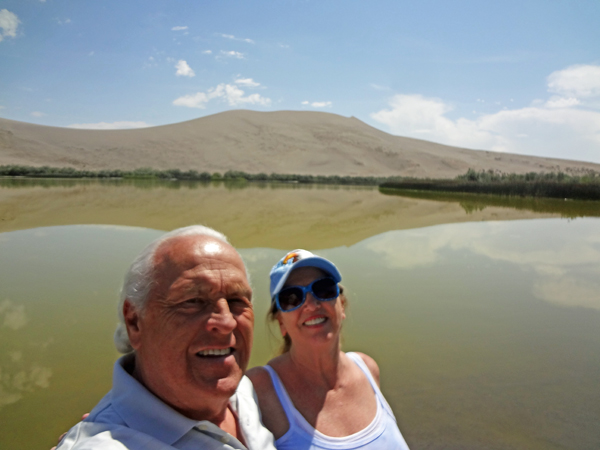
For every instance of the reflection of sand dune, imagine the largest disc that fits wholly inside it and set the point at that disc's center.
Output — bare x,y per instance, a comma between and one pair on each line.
281,141
314,217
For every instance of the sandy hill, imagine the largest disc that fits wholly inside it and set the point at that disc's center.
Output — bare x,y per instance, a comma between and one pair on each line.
282,142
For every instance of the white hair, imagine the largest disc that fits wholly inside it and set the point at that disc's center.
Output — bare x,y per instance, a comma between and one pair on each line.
140,278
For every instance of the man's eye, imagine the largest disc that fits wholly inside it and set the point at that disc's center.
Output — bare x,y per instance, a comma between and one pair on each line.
237,302
194,301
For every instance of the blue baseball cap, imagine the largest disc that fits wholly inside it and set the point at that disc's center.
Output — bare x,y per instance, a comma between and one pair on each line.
295,259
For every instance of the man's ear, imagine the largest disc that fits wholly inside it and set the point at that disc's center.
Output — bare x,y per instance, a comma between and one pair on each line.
132,323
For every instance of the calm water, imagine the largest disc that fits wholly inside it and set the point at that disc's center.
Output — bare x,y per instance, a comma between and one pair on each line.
484,315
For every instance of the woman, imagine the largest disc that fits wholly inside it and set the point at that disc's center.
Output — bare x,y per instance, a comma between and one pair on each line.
314,396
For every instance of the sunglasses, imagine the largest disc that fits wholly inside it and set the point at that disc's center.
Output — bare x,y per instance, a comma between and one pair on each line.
293,297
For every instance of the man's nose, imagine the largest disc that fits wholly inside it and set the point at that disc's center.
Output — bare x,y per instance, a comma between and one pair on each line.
221,319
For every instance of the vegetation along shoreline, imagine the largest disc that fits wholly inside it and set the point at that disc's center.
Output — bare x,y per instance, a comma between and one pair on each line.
551,184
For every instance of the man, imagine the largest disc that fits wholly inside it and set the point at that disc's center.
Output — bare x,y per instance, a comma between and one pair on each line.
186,323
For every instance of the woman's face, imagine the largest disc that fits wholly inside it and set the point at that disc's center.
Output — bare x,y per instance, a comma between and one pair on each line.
315,322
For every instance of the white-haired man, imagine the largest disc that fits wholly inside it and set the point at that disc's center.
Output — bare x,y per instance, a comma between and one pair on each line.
186,324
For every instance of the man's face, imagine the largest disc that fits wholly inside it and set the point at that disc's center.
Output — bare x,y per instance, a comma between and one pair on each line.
193,340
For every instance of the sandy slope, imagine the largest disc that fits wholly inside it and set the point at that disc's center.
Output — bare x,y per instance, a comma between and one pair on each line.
254,142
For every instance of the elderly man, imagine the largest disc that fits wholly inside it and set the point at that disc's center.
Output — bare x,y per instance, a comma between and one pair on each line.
186,323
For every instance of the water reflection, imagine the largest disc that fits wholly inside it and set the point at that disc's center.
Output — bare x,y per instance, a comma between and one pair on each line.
473,203
252,214
486,333
17,375
562,258
14,315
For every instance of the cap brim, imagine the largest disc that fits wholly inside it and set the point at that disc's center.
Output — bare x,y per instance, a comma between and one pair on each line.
312,261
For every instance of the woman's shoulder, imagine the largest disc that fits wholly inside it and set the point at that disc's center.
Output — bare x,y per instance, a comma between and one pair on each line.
260,377
273,414
371,365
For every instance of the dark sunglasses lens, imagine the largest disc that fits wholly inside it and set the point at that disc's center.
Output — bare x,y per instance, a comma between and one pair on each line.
325,289
290,298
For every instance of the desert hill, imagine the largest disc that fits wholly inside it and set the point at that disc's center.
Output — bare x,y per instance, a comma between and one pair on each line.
298,142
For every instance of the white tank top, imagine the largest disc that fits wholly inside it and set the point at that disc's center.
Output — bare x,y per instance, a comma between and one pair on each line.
381,434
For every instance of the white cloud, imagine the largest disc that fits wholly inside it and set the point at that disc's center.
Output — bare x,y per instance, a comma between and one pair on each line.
229,93
379,87
558,127
2,107
579,81
109,126
9,22
38,114
232,37
197,100
248,82
232,54
562,102
207,52
183,70
179,28
63,22
317,104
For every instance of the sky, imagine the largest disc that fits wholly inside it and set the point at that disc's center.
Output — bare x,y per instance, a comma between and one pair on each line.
508,76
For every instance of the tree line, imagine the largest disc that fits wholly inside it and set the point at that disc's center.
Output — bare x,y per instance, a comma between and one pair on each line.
192,175
585,186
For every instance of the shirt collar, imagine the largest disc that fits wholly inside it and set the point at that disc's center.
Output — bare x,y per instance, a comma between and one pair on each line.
142,410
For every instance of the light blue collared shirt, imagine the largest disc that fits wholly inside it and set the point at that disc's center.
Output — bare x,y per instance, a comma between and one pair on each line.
131,417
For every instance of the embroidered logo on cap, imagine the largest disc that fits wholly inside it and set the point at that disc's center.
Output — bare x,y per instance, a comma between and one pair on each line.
290,258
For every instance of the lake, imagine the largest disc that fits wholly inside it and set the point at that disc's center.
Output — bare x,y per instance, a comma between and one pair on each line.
483,313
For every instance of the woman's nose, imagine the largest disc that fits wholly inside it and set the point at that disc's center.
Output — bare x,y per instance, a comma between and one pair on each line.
311,301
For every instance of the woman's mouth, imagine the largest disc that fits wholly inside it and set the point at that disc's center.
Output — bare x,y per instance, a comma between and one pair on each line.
315,321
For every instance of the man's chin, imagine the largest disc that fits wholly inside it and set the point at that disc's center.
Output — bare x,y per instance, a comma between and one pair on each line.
222,382
228,386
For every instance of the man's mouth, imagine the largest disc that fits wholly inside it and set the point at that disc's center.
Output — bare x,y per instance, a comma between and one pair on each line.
315,321
216,352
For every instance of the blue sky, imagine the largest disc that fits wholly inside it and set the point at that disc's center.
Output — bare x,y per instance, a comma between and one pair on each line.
513,76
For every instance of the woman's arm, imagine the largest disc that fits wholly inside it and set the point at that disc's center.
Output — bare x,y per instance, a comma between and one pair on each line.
273,415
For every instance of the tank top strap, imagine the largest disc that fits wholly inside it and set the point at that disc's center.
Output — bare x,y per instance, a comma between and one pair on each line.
282,395
363,366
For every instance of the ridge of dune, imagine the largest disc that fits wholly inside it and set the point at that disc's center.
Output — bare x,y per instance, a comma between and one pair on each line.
293,142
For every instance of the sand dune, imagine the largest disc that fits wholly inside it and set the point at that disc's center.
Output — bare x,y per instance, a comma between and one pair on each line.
282,142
